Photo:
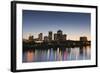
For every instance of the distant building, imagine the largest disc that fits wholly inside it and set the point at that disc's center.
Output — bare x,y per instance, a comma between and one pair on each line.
64,37
59,32
31,38
60,36
55,37
40,36
50,36
83,38
45,38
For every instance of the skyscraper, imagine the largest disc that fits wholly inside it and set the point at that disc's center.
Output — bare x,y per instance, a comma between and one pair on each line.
40,36
50,36
60,32
59,35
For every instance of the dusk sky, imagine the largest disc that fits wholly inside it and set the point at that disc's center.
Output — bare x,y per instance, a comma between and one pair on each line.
71,23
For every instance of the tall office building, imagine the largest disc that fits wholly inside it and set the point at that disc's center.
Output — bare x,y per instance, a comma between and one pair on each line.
50,36
40,36
60,32
59,35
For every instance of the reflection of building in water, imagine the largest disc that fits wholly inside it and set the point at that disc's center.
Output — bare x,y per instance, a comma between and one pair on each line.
50,36
60,36
30,56
83,38
57,54
40,36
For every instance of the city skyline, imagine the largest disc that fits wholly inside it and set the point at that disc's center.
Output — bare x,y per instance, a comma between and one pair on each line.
72,24
50,36
58,36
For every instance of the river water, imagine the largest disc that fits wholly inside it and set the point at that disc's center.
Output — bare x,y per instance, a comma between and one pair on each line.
56,54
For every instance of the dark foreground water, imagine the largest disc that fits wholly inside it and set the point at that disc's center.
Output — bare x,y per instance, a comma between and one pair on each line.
57,54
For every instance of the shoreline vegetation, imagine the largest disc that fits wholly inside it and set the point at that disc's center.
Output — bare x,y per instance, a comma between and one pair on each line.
55,44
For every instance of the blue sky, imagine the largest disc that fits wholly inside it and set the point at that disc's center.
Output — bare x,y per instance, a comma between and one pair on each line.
71,23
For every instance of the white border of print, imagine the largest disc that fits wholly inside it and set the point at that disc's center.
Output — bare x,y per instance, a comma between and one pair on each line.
38,65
